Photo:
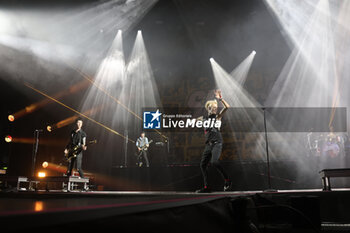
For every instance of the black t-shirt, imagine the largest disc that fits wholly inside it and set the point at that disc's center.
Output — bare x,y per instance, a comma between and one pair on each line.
76,138
212,134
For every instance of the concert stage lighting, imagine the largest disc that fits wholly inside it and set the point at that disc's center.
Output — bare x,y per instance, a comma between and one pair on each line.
41,174
44,141
211,59
79,113
11,118
312,74
42,103
49,128
71,119
240,72
54,167
45,164
8,138
38,206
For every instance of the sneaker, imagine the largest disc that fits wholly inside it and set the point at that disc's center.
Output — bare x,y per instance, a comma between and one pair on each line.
227,185
205,189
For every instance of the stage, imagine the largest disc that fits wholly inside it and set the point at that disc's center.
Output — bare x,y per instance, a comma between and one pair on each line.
114,112
280,211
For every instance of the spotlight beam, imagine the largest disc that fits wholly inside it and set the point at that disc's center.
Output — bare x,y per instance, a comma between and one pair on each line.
36,106
77,112
240,73
104,91
71,119
49,142
87,77
140,88
235,93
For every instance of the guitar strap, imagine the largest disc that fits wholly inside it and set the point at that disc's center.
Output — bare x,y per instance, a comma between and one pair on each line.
74,137
79,132
140,141
80,138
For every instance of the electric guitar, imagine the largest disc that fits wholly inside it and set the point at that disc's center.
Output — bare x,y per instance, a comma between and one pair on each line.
75,150
145,147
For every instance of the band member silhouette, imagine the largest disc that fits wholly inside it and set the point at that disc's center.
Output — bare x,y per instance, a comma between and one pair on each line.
142,145
213,143
77,138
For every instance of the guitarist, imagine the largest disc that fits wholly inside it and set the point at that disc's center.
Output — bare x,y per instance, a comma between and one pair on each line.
142,145
77,138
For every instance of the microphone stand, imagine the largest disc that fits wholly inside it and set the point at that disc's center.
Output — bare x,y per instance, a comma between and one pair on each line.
126,148
35,149
267,156
34,153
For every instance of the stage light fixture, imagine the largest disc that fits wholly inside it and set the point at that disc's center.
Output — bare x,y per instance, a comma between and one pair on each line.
39,206
49,128
211,59
45,164
41,174
253,52
8,138
11,118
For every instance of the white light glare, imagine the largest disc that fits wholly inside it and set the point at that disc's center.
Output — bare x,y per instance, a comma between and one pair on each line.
253,52
211,59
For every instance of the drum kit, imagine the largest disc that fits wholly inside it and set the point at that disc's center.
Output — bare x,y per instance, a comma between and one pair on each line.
325,145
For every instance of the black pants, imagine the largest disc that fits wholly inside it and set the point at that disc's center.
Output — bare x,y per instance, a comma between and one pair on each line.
211,154
78,160
143,154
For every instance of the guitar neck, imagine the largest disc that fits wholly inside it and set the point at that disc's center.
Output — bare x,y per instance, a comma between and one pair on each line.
89,143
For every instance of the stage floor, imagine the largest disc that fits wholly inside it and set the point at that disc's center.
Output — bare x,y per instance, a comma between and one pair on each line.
27,202
35,210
